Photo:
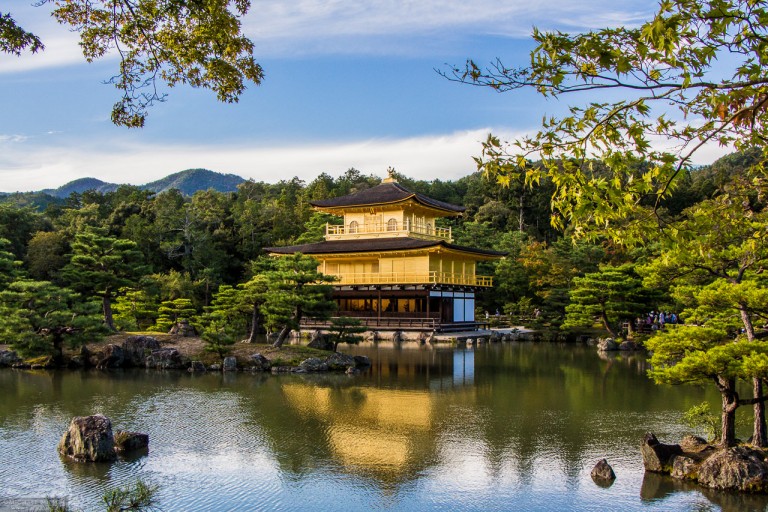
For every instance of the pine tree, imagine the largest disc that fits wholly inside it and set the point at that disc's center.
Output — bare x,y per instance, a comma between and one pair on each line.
611,295
253,294
347,330
171,312
101,265
689,354
134,310
296,290
9,268
38,317
225,319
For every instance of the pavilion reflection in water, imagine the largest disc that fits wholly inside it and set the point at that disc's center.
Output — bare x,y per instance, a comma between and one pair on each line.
384,430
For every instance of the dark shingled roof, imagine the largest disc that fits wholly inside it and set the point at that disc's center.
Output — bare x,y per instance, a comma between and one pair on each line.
385,193
375,245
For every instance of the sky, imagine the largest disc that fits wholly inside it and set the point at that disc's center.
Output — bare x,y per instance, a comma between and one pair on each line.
347,84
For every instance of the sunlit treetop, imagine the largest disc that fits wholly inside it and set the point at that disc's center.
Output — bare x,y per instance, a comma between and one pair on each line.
695,74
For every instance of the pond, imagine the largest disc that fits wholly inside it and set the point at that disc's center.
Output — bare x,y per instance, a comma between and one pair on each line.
512,426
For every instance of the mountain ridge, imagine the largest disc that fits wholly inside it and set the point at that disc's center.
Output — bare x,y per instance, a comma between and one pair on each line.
187,182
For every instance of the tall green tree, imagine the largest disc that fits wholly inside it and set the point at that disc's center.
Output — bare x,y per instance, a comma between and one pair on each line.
101,265
39,317
693,74
9,267
716,261
253,295
134,309
47,254
296,290
612,295
345,329
171,312
699,355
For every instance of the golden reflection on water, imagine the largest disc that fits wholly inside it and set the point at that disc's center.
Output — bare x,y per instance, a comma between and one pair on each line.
367,428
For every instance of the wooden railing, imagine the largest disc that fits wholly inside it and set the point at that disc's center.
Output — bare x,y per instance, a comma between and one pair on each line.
395,228
413,278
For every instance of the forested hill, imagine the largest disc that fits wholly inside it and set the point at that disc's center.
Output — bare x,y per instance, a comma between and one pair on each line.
187,182
193,241
80,186
190,181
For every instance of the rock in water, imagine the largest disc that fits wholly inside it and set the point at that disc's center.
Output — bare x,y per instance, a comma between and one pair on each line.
607,345
738,468
628,345
312,365
230,364
130,441
196,366
603,471
260,363
657,457
8,358
89,438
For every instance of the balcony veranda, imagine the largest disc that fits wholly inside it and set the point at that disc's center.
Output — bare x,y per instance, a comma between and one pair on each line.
389,229
411,278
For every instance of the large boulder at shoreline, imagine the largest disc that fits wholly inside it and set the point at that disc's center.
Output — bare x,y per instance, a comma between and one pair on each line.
628,345
137,348
196,366
259,363
229,364
320,341
607,345
89,438
164,359
8,358
685,468
695,444
113,356
362,361
739,468
657,457
312,365
338,361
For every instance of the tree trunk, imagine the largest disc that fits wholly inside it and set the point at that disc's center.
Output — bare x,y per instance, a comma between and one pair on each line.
749,329
287,329
759,434
728,411
282,336
58,349
254,324
607,325
106,304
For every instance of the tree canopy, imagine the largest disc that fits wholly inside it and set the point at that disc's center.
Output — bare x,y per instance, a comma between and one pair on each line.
693,74
193,42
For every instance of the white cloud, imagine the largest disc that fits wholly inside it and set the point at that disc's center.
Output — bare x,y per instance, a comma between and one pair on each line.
445,157
442,156
312,27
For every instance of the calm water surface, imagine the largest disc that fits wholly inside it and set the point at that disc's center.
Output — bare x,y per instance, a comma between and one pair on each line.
513,426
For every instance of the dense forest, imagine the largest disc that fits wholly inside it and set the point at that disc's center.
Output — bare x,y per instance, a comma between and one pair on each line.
148,258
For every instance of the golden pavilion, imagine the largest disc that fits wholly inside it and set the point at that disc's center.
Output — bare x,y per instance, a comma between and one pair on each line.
395,268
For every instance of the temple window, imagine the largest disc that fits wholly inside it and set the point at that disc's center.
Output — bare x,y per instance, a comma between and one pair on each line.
353,226
392,225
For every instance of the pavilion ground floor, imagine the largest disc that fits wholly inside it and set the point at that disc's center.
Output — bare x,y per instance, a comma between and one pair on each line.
408,307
